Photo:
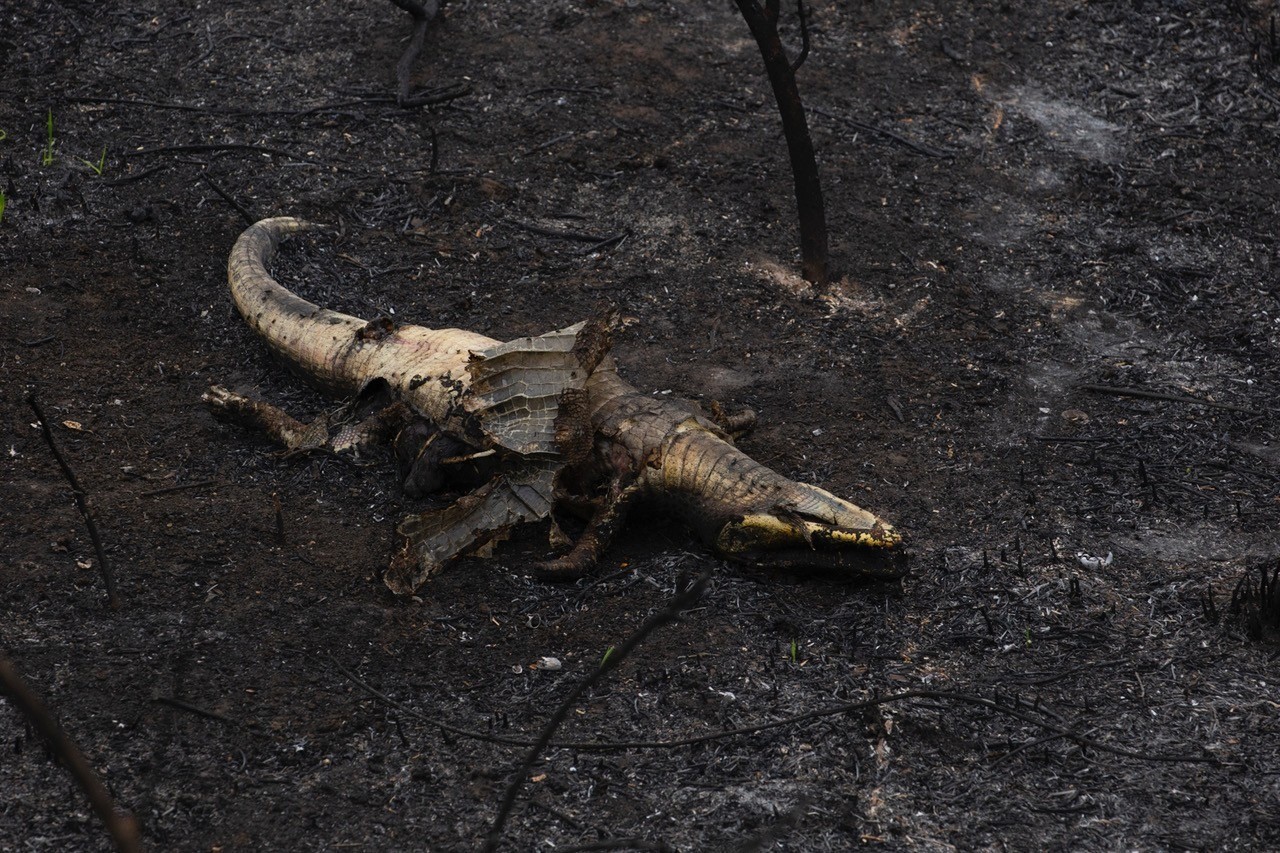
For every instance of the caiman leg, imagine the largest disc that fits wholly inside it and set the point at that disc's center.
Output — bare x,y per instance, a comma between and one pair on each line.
608,517
277,424
351,439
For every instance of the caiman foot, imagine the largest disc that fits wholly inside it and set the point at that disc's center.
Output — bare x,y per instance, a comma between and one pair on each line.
296,436
608,512
349,438
596,538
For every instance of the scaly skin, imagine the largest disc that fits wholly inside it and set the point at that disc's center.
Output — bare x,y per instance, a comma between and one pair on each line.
677,459
338,352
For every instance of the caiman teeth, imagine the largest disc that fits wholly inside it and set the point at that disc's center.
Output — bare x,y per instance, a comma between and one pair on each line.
765,531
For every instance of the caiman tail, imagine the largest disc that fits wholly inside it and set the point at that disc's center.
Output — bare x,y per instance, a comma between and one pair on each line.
338,352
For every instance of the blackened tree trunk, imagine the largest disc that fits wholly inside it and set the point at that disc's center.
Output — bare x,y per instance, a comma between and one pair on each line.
763,22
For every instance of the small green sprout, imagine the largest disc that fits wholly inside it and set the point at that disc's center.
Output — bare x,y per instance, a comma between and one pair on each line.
46,158
2,204
795,651
607,654
98,167
3,135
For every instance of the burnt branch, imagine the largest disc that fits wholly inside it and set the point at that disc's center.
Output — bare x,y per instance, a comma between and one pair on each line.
803,14
121,825
248,217
1020,711
679,602
82,502
423,13
763,23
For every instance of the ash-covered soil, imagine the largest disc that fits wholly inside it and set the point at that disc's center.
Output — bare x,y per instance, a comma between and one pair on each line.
1025,200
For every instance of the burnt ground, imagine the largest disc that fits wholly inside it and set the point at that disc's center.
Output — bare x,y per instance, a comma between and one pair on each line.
1025,199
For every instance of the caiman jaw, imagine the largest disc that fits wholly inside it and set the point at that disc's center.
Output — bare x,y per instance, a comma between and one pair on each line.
815,530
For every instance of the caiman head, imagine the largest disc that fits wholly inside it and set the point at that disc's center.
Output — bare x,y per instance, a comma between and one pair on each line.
753,515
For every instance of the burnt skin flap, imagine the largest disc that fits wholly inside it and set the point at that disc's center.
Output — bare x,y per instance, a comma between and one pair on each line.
516,400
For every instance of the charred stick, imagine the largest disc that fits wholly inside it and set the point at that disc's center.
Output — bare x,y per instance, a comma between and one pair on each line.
1026,716
763,23
435,96
555,140
1157,395
173,702
230,199
605,243
887,134
1057,730
226,146
121,825
557,233
680,602
414,712
423,13
82,502
803,15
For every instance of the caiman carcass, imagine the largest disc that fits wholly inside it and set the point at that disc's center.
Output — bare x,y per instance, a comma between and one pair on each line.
541,427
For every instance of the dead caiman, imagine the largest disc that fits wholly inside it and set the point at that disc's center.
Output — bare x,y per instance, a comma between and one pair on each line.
545,425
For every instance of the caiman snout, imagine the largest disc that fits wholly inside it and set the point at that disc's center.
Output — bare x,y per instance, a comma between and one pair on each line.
812,528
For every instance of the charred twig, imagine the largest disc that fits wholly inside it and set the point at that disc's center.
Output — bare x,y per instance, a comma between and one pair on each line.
605,243
763,23
1058,731
1158,395
557,233
224,146
555,140
82,502
848,707
129,179
414,712
230,199
887,134
193,709
680,602
121,825
803,15
433,96
423,13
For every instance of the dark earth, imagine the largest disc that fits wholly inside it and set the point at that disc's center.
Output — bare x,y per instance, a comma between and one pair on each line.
1025,199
